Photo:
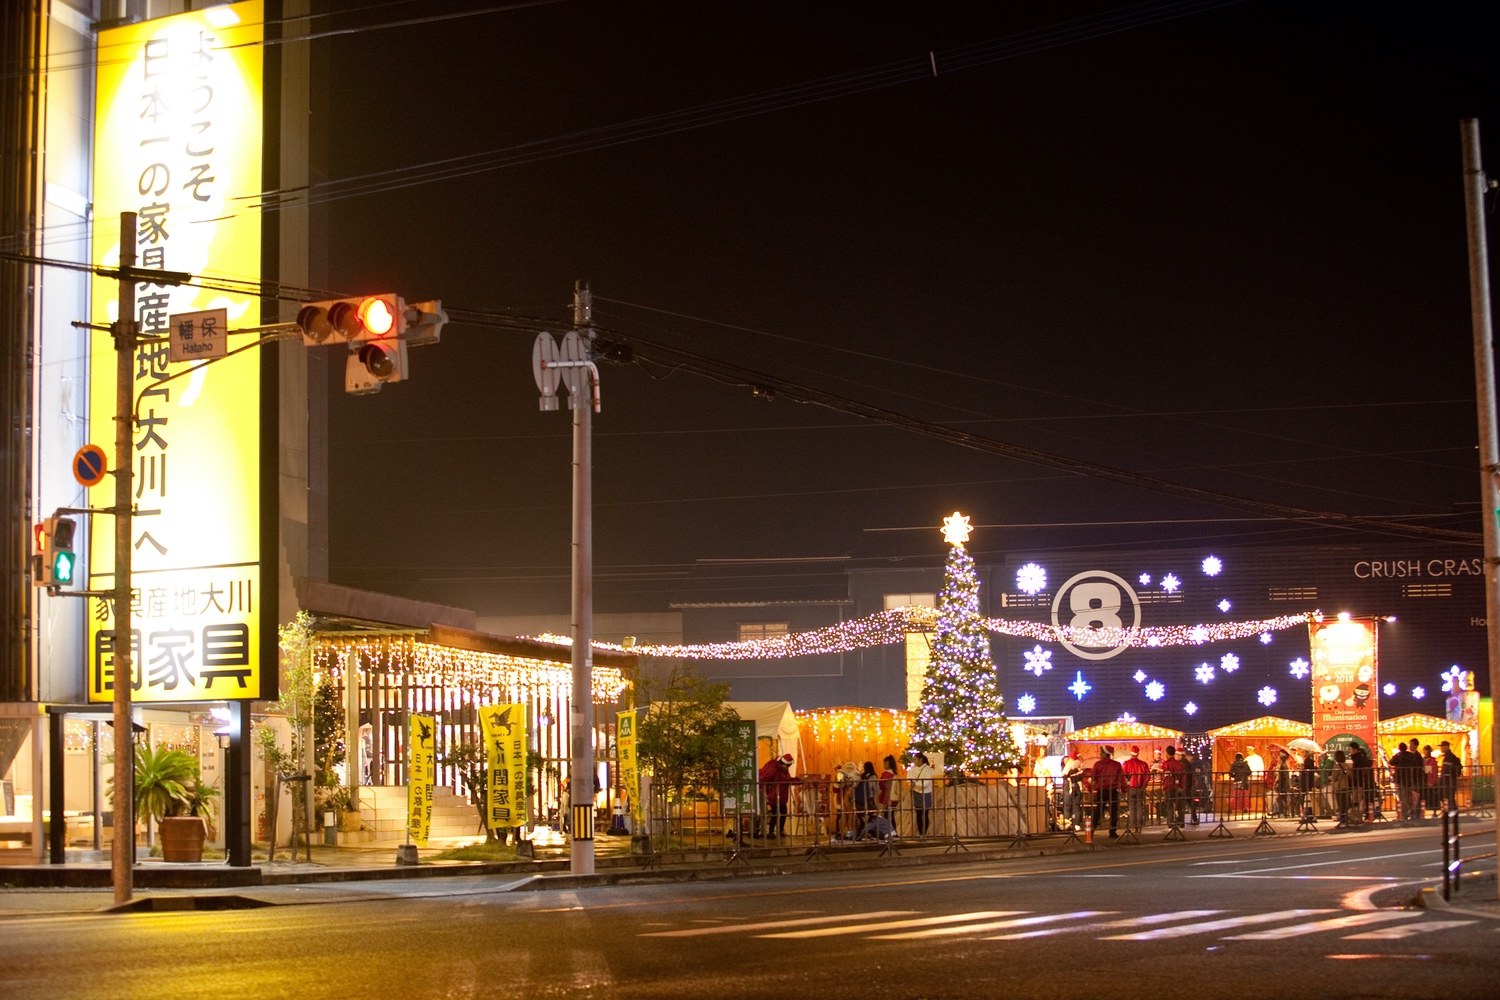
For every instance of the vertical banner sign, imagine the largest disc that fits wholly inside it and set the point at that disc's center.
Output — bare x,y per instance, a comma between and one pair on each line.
505,755
421,775
1345,683
177,140
740,776
630,773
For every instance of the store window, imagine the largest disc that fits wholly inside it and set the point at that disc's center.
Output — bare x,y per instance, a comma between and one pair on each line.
762,630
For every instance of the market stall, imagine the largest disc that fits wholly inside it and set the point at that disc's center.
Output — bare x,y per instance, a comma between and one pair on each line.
1085,744
1264,736
1431,731
832,736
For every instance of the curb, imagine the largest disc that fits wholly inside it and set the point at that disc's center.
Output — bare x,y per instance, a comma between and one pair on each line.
1431,898
166,904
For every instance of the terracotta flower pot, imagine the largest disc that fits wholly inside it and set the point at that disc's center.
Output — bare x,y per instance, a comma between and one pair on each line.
182,838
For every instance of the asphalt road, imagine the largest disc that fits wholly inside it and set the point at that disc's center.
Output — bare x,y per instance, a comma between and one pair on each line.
1319,916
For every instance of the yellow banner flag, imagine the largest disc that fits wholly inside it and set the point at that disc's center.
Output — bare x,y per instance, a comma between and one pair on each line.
630,773
421,775
505,755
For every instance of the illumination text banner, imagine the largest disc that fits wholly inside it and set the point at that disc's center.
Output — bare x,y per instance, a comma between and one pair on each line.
505,743
630,774
178,136
421,776
1345,682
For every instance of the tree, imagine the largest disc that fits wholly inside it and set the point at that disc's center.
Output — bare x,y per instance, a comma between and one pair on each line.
962,715
470,761
687,734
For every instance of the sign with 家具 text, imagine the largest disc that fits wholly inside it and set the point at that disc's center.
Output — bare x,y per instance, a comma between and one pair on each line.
505,743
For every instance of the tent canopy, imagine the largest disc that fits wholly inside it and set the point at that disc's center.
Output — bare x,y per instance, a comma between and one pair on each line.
1265,727
1417,724
1113,732
773,720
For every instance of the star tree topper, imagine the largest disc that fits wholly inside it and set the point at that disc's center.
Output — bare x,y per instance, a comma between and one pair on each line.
956,529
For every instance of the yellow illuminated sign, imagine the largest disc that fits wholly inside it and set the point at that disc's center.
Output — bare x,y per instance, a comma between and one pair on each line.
505,737
177,140
421,774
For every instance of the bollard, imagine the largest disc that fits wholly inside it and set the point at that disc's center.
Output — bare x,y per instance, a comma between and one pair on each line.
1088,828
1445,853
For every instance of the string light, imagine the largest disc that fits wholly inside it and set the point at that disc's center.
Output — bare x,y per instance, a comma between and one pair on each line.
885,628
1123,729
1265,726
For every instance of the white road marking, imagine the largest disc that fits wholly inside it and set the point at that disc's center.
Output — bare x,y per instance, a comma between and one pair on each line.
770,924
993,925
1331,924
1146,921
1340,861
1408,930
1228,923
893,925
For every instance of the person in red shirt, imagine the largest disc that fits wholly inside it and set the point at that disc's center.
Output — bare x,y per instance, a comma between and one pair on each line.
1174,785
1106,777
1137,777
776,783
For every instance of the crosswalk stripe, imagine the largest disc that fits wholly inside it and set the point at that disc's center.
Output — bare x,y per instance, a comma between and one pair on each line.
1317,926
1146,921
1228,923
892,925
1408,930
994,925
771,924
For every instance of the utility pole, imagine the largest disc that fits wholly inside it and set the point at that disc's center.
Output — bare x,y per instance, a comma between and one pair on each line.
582,765
1475,185
122,849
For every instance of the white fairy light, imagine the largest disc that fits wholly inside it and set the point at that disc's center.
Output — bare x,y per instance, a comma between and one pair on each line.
1170,583
1156,690
1299,668
1191,708
1204,673
1229,663
1038,660
1031,579
1080,687
1212,565
1266,696
1026,704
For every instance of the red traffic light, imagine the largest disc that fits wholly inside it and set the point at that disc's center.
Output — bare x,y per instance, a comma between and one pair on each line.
340,321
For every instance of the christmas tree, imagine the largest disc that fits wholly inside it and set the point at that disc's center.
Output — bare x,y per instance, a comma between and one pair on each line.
962,714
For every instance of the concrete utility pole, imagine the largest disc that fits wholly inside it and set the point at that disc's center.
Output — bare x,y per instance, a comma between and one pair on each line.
582,766
1475,185
122,849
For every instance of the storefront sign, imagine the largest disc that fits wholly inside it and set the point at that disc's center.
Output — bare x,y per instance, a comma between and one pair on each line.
740,776
421,775
630,774
505,755
1345,682
178,123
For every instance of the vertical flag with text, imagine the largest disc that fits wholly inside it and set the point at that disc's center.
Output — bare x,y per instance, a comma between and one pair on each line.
630,774
421,775
505,756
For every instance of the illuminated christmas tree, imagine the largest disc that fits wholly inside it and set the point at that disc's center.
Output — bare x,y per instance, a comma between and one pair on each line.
962,714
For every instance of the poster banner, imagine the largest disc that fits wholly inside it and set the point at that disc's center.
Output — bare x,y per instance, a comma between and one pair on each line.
505,757
1345,682
178,141
421,775
740,776
630,773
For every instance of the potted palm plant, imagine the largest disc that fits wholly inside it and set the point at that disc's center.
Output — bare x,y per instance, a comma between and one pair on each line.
168,790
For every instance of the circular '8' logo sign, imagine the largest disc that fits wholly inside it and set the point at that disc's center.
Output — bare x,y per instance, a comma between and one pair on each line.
1095,599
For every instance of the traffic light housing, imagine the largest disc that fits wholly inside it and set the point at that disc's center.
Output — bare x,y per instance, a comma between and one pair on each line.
353,320
55,560
373,363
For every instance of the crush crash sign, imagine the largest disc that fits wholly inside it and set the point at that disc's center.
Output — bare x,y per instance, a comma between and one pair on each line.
178,132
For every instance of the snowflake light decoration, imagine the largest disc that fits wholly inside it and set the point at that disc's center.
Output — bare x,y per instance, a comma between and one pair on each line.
1300,668
1266,696
1191,708
1140,675
1389,689
1080,687
1026,704
1038,660
1031,579
1229,663
1419,692
1126,717
1212,565
1224,605
1455,680
1265,638
1204,672
1145,579
1156,690
1170,583
1198,635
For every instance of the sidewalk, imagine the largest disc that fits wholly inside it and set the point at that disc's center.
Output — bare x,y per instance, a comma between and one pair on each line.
368,871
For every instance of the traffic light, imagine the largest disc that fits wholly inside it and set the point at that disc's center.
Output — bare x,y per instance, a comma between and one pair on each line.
373,363
346,321
55,560
424,323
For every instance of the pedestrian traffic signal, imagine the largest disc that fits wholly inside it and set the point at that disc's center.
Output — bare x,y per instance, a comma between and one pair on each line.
55,560
344,321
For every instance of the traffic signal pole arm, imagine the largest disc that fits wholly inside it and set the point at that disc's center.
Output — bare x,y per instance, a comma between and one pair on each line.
286,331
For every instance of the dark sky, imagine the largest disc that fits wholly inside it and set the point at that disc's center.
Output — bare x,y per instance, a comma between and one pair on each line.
1228,249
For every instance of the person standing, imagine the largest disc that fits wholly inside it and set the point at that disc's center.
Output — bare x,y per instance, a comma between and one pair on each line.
1257,765
1137,777
1072,777
1338,784
1283,784
1309,785
1362,781
776,783
920,777
1450,768
1173,785
1192,782
1430,770
1406,769
1106,777
866,791
1239,778
890,790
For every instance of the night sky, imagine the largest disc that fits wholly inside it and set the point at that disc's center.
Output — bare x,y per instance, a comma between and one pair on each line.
1226,249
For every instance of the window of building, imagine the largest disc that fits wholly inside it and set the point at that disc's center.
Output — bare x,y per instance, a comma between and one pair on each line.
893,601
762,630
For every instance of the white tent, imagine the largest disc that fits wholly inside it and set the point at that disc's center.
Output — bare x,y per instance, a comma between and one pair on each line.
773,719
